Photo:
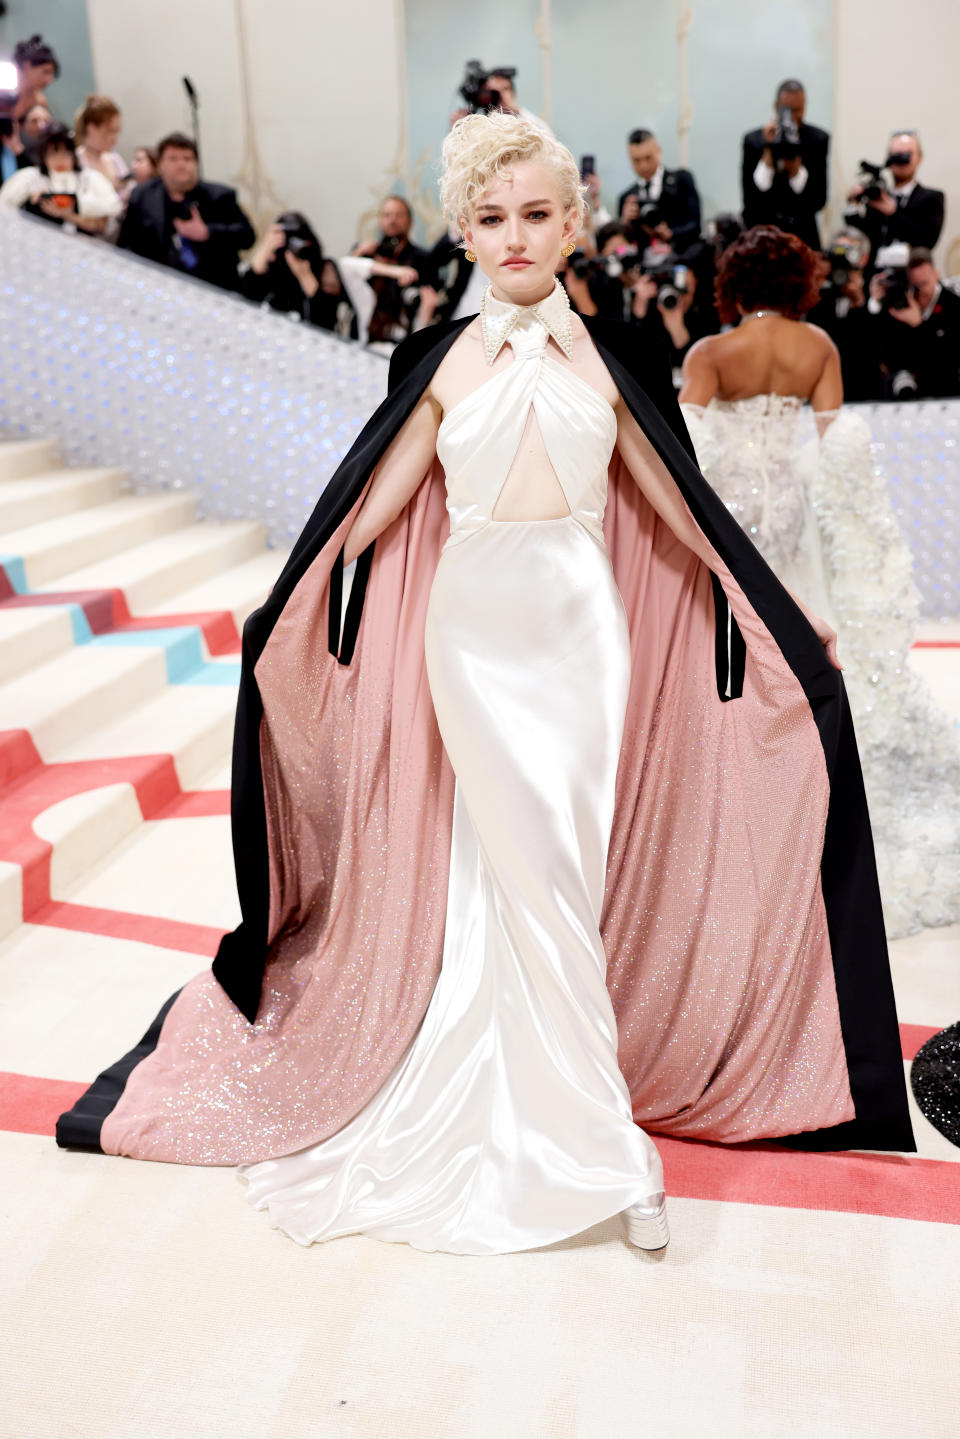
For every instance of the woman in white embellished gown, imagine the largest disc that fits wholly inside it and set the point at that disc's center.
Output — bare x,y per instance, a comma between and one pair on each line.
551,834
813,501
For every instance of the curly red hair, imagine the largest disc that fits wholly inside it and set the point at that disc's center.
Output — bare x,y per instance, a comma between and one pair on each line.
766,269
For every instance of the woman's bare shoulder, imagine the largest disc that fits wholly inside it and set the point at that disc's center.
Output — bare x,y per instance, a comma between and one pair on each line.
820,338
705,352
448,380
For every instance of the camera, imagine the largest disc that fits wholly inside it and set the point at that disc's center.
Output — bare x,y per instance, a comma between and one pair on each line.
650,216
871,178
722,230
672,278
892,266
786,141
843,258
477,95
613,267
295,238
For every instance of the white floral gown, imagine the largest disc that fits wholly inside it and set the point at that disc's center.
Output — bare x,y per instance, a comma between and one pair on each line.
818,511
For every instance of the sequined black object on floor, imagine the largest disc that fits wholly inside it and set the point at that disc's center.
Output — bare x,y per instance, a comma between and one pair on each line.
935,1079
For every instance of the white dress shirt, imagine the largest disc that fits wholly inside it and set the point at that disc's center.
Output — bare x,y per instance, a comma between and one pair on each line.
764,173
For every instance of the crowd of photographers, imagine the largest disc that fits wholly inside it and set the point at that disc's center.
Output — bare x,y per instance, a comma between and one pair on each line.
652,262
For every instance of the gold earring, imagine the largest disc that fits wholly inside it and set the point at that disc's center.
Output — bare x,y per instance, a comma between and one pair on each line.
568,249
469,255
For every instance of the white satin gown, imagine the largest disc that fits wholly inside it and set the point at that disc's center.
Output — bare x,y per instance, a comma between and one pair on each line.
507,1124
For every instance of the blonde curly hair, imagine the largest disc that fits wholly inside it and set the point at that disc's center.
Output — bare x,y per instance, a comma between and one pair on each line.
482,148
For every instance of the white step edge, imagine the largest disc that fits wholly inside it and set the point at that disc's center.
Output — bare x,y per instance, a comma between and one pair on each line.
27,457
11,897
150,572
48,496
80,691
84,828
31,636
192,723
54,548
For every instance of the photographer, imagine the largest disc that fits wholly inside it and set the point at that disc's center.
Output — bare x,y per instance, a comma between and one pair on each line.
187,223
601,282
388,279
903,209
785,169
917,323
36,68
288,272
663,204
483,90
842,312
663,305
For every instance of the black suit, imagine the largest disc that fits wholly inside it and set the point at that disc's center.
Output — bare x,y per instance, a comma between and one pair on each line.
918,220
679,202
781,205
447,270
148,230
929,351
853,331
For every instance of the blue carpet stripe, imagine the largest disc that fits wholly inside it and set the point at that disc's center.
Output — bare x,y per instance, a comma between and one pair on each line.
182,644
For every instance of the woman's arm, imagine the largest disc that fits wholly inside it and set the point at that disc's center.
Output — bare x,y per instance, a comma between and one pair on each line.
828,391
656,483
701,379
396,479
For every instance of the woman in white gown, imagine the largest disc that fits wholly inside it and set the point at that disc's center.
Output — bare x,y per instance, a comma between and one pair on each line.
815,504
553,831
520,1026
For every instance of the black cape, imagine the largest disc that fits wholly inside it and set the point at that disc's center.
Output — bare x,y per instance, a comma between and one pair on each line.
848,873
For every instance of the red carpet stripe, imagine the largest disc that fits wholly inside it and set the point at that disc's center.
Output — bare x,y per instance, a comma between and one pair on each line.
107,610
913,1037
28,786
199,939
32,1106
936,645
893,1185
890,1185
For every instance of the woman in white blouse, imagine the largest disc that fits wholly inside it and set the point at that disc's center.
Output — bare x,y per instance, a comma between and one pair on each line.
61,190
96,131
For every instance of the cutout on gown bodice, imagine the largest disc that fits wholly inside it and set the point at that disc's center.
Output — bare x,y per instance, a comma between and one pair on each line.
532,443
532,489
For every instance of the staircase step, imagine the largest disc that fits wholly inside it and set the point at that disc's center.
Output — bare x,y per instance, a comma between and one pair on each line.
11,897
69,697
27,457
239,590
150,572
28,637
84,828
57,547
42,497
193,723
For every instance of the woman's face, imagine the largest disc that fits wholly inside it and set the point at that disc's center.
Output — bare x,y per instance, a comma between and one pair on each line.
142,167
103,137
36,78
35,122
517,232
59,159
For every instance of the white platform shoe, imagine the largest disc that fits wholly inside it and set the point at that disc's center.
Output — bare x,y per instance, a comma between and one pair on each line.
646,1223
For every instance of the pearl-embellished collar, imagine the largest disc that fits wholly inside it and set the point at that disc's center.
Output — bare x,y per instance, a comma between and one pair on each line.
499,318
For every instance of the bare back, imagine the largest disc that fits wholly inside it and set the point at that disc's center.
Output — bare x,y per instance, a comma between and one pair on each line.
770,355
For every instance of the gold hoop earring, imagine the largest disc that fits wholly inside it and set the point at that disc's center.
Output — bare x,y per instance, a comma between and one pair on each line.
568,249
469,255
